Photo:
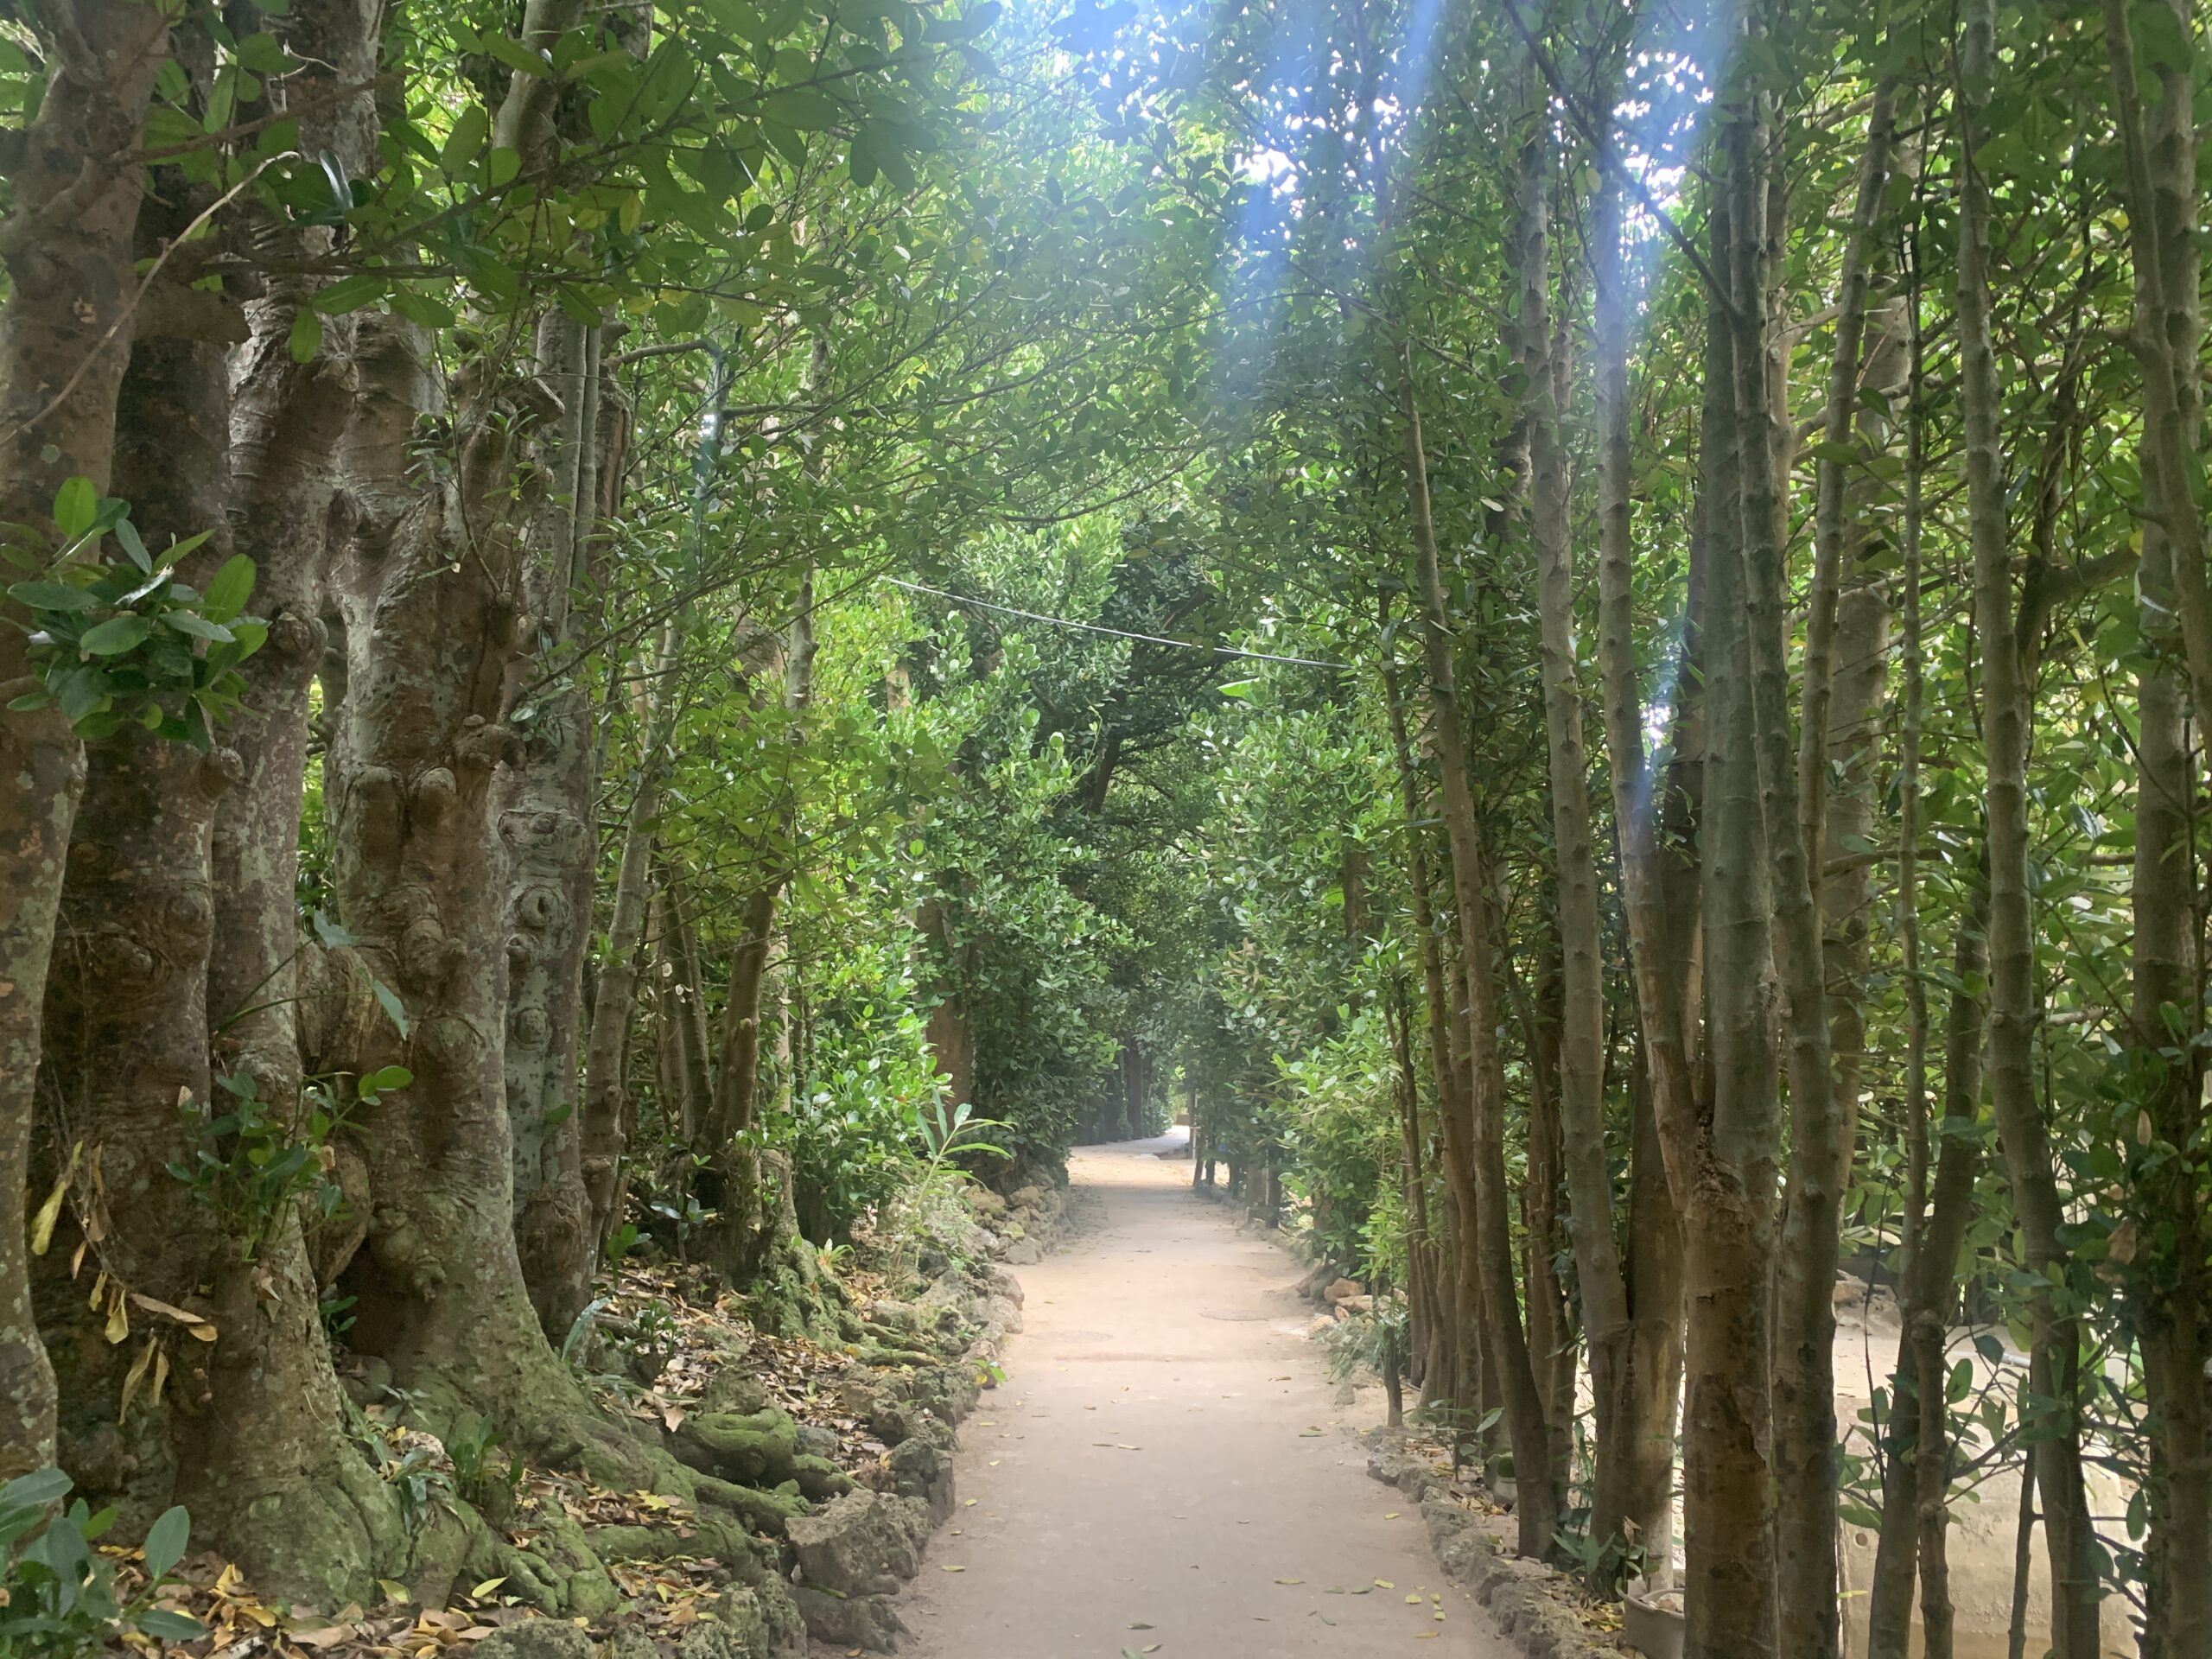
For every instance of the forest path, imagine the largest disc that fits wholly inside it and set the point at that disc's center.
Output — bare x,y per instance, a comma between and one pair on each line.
1164,1455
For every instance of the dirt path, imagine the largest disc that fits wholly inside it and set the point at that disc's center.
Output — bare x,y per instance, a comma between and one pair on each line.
1163,1464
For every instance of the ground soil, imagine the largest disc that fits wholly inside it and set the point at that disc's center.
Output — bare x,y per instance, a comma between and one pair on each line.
1164,1464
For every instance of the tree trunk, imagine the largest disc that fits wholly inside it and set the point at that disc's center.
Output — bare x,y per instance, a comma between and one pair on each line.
681,1009
64,341
1660,933
546,821
126,1016
614,989
2174,1315
2006,713
1728,1474
1552,1344
739,1237
1582,1007
271,1474
1484,1206
1440,1381
1918,1442
421,877
1819,1003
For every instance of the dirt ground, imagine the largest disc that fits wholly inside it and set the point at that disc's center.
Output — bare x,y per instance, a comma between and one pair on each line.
1163,1469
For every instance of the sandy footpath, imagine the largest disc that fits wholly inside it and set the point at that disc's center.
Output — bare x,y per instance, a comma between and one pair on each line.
1162,1470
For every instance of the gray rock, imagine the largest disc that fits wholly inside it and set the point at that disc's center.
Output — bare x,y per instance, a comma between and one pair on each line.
923,1470
861,1544
733,1390
985,1203
816,1440
867,1622
537,1638
1024,1253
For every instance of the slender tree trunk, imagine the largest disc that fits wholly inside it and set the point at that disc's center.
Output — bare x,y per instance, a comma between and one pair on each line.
1440,1381
546,821
1820,1003
2175,1316
735,1106
1484,1206
1661,925
2159,141
2173,1333
1412,1183
1648,1382
1552,1345
681,990
1660,931
1918,1443
614,989
65,339
2006,704
1890,1596
1728,1474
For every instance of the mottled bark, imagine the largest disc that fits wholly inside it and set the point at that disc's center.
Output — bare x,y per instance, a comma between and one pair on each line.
545,814
432,597
65,338
270,1472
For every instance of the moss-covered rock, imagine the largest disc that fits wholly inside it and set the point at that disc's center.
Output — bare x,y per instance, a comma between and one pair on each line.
863,1544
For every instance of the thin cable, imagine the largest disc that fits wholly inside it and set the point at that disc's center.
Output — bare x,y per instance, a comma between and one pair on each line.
1117,633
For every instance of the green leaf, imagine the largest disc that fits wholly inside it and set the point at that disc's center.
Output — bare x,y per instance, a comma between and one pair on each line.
516,56
305,338
194,626
76,506
349,294
35,1489
228,594
389,1001
50,597
171,1626
115,636
126,534
166,1542
467,139
805,108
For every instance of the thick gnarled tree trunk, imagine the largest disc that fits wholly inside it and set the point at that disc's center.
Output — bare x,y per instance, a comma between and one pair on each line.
65,338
